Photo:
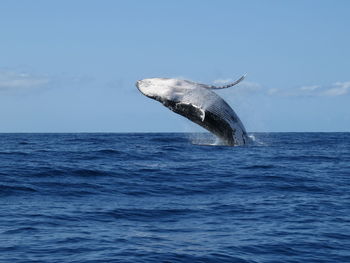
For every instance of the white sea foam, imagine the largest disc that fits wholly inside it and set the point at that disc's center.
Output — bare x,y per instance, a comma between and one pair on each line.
203,139
206,139
255,141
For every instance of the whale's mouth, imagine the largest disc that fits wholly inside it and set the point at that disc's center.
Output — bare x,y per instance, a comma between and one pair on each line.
138,83
138,86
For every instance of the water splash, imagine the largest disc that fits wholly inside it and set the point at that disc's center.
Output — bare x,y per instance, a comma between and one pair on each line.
208,139
204,139
255,141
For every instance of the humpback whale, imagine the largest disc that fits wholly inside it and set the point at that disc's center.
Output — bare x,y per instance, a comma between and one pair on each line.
200,104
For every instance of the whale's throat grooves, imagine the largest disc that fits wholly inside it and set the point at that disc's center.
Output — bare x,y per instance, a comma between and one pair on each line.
211,122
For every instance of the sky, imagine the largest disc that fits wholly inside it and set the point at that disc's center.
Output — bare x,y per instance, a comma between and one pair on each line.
71,66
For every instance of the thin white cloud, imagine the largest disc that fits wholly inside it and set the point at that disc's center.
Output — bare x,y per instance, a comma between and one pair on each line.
338,89
310,88
333,90
11,80
273,91
246,88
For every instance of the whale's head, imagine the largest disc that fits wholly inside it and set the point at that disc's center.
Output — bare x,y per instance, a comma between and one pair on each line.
162,89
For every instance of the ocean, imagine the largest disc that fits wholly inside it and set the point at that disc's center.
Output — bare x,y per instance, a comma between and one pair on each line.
171,197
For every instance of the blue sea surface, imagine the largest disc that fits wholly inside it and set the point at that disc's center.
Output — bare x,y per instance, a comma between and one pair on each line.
167,197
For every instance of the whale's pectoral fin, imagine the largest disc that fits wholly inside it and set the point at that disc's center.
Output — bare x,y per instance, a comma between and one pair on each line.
226,86
201,112
190,110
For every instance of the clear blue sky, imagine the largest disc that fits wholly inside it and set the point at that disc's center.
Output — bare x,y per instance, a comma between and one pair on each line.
70,66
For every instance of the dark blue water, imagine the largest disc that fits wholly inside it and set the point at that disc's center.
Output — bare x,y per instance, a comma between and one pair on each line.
160,198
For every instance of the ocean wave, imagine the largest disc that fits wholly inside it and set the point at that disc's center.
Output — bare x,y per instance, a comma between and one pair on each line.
158,198
13,190
14,153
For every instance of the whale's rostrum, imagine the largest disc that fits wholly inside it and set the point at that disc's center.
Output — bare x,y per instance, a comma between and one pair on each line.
198,103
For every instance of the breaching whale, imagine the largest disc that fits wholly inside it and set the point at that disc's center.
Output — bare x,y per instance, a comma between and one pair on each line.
198,103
